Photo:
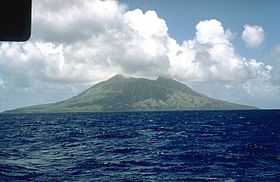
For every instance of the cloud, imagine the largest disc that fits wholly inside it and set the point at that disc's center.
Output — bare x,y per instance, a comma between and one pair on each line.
211,32
71,20
100,38
253,36
210,56
78,43
120,42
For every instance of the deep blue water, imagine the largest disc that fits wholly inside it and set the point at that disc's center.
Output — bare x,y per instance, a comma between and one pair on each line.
141,146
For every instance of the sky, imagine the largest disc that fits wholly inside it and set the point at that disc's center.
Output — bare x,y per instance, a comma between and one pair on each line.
226,49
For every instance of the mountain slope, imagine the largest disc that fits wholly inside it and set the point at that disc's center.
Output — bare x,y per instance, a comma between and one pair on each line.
135,94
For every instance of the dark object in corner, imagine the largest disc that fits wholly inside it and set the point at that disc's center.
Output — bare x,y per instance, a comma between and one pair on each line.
15,20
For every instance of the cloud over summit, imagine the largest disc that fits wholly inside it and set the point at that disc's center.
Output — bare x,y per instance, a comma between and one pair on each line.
90,40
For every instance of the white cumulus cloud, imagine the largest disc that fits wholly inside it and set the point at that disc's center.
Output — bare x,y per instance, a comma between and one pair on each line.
253,36
210,56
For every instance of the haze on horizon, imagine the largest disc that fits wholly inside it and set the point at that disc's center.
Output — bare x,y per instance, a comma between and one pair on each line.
226,50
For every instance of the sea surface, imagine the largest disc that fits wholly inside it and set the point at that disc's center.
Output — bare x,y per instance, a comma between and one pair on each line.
141,146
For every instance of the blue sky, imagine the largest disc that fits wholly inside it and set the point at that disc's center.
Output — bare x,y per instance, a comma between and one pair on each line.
226,49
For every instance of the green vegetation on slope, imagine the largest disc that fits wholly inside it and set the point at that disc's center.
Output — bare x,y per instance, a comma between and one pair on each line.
135,94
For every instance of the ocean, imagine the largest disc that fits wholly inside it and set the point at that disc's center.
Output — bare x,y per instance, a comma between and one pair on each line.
141,146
